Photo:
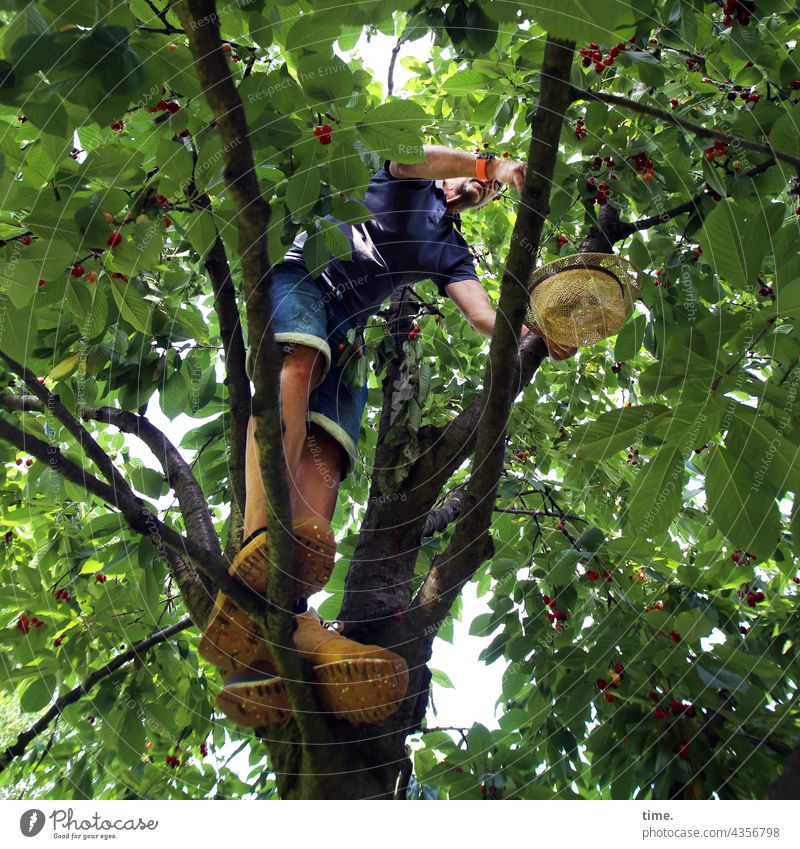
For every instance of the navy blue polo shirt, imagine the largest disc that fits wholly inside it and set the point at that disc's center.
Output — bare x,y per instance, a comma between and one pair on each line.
408,239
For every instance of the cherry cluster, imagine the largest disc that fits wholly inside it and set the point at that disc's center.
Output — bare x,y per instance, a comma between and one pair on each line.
523,455
593,55
170,106
754,597
28,463
62,594
580,128
324,133
593,576
632,457
656,605
414,332
561,241
616,674
643,165
24,623
556,617
617,367
744,556
172,761
716,150
737,11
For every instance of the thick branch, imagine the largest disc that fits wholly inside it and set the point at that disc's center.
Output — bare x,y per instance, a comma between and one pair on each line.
139,518
470,543
19,747
200,21
689,126
51,403
191,498
236,380
787,785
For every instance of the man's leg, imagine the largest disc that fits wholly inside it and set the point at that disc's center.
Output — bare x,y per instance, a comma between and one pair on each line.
300,374
316,483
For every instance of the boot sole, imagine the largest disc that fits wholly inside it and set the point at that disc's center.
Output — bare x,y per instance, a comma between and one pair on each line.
265,703
361,691
230,641
312,559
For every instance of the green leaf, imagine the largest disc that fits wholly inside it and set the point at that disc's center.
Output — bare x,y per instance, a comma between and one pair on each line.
734,244
302,191
741,505
614,431
578,20
630,338
393,130
656,494
38,694
442,679
132,307
325,79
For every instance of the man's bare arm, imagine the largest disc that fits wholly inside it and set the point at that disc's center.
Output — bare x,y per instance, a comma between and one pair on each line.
443,163
471,299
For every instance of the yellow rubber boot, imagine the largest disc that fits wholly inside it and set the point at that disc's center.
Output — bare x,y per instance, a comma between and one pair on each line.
231,641
356,682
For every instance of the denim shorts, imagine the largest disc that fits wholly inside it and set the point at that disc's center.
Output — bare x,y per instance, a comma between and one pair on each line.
307,312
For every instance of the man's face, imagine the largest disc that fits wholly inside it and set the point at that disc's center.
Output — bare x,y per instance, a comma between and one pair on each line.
469,192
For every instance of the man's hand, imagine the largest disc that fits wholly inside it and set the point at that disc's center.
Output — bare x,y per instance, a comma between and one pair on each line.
559,352
507,171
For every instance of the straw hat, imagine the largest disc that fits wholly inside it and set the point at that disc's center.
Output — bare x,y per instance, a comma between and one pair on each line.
579,299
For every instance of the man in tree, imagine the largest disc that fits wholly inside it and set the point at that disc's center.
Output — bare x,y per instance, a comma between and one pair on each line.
413,235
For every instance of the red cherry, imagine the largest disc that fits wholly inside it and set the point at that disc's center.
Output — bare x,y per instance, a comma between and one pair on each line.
607,577
100,578
114,239
42,284
118,125
660,713
341,346
690,710
676,706
546,599
173,107
619,668
796,580
19,461
91,719
91,276
57,641
550,617
601,683
185,134
505,154
203,749
609,697
25,240
29,462
592,575
682,750
676,637
795,85
561,615
735,557
765,291
117,276
163,202
77,271
167,221
653,696
560,526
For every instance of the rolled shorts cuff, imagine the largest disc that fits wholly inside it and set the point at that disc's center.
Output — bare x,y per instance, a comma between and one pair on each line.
339,434
290,338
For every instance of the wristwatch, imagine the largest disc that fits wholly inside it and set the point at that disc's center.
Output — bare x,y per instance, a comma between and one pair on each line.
482,164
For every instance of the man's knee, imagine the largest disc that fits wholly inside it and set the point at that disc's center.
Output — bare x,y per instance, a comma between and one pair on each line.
304,361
